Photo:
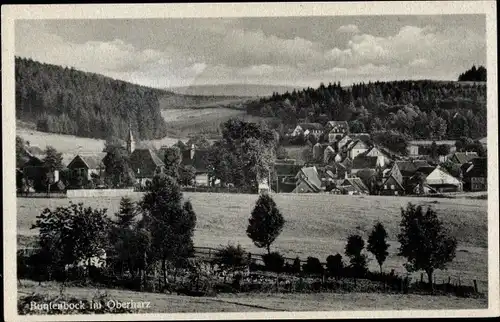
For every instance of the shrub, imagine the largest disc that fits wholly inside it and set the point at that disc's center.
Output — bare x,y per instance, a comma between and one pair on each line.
353,249
273,262
312,266
231,257
335,265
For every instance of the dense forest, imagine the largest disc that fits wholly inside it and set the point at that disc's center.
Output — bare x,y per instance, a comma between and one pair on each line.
473,75
417,109
68,101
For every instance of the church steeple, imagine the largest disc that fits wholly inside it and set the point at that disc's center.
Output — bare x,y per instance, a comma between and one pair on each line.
130,140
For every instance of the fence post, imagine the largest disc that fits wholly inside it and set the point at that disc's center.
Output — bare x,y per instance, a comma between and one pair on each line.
475,286
449,279
421,277
459,283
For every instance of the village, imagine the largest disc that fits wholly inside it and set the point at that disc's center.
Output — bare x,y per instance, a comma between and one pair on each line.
347,163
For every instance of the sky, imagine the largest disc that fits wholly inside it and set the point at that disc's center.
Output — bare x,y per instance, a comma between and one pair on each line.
292,51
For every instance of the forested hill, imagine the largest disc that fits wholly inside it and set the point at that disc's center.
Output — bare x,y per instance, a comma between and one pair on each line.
416,109
68,101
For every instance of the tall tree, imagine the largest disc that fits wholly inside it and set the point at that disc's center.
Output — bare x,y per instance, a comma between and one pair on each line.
169,220
377,244
425,242
353,249
265,223
172,162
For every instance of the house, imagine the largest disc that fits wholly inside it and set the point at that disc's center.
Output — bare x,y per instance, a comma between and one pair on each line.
356,147
336,130
438,179
353,186
392,182
145,164
307,181
463,157
343,141
369,178
198,159
363,162
328,154
475,174
86,166
409,168
308,128
383,157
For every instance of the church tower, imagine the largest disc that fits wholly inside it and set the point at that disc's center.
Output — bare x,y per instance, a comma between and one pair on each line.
130,141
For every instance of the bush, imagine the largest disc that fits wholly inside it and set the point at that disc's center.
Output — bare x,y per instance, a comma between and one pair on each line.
231,257
335,265
312,266
273,262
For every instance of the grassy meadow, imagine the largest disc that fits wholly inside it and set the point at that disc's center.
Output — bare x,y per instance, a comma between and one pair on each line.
316,225
225,302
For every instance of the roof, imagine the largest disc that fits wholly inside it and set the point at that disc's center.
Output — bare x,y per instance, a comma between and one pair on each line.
357,183
429,142
311,126
463,157
483,140
365,137
477,167
362,162
425,170
311,177
338,126
146,161
199,161
91,160
408,168
366,174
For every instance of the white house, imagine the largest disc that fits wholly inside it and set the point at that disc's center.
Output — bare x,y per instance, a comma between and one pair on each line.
357,147
308,128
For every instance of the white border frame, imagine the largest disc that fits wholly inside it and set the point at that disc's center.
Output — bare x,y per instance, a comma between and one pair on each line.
92,11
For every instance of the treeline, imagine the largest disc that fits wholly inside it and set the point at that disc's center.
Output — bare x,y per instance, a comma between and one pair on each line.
418,109
473,75
68,101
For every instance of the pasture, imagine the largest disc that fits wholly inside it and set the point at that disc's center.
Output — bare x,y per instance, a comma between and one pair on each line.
316,225
184,122
167,303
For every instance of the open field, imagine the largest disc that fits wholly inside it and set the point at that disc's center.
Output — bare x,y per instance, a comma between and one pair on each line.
316,225
186,122
70,145
166,303
177,101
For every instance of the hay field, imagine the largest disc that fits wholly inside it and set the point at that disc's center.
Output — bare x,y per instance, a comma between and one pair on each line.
316,225
265,302
184,122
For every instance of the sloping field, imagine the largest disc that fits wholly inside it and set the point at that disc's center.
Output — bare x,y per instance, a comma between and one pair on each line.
71,145
165,303
186,122
316,225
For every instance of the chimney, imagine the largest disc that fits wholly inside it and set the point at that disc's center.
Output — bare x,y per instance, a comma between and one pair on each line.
192,152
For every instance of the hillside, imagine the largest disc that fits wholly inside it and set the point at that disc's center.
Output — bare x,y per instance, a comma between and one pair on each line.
420,109
239,90
68,101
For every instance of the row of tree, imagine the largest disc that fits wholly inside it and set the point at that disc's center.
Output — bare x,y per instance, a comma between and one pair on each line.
423,238
68,101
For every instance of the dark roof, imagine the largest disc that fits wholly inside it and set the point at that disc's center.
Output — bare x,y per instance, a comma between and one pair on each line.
92,160
199,161
311,126
425,170
366,174
477,167
408,168
362,162
146,161
463,157
365,137
357,183
311,177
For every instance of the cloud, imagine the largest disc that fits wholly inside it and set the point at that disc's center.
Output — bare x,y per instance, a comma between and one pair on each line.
164,55
351,29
